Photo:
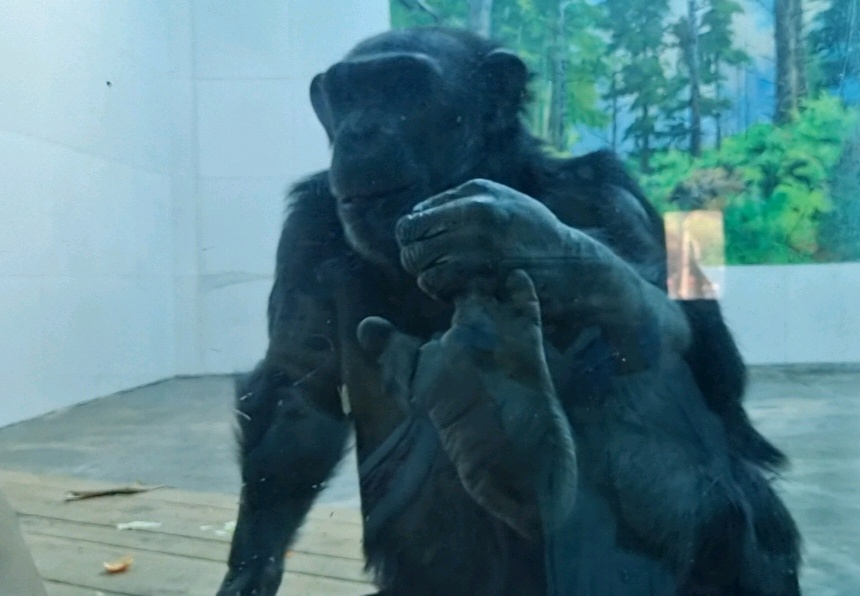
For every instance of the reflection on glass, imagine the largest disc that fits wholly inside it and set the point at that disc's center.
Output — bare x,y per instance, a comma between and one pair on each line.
695,250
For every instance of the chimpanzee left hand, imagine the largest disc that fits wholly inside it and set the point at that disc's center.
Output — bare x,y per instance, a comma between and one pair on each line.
486,387
483,230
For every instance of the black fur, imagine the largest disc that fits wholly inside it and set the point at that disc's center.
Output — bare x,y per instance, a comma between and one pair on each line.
674,497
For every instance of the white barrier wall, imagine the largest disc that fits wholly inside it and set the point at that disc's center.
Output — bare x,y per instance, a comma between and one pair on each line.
144,150
795,314
87,164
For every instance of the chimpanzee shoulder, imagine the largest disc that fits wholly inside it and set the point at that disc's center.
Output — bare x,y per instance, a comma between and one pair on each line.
598,188
601,178
311,233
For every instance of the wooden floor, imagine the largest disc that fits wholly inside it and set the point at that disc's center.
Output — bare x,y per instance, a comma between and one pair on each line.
184,555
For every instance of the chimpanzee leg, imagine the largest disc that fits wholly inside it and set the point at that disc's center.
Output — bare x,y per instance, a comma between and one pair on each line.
288,448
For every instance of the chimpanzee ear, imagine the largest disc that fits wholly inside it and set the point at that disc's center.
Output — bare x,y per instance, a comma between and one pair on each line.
320,103
507,77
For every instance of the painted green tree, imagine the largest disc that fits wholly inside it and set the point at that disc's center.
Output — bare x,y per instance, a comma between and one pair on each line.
636,32
777,185
834,42
706,49
558,41
718,53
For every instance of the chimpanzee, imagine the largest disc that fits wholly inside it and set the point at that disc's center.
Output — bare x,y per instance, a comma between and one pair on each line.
532,413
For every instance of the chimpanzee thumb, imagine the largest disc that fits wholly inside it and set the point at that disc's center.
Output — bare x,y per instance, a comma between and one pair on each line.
374,335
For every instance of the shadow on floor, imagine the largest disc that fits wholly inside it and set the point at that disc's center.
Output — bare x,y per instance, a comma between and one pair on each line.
179,433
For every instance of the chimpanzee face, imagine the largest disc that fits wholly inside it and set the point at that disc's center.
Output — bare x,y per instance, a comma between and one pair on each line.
407,114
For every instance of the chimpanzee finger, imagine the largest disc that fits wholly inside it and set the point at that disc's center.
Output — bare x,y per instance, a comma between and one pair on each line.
396,354
423,254
374,334
473,326
452,277
398,363
477,186
472,210
380,339
522,296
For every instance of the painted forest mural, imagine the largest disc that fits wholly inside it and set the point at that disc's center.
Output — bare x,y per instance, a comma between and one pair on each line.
746,107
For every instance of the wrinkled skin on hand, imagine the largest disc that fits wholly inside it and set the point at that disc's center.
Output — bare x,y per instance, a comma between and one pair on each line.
487,389
483,230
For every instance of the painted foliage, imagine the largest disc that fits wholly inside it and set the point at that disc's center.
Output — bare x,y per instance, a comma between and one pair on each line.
746,107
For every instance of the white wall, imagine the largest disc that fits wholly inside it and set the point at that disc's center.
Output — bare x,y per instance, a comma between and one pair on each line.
87,172
141,217
256,135
795,314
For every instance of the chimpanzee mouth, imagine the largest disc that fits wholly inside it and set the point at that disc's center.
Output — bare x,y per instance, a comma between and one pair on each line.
376,196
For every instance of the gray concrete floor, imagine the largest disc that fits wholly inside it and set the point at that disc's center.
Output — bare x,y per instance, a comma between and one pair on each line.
179,433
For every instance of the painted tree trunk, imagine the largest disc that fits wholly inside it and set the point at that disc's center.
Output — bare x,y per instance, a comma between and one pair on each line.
693,67
786,79
558,101
801,83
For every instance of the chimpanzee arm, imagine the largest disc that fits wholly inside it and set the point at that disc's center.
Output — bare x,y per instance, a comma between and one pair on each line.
291,428
661,458
486,229
632,227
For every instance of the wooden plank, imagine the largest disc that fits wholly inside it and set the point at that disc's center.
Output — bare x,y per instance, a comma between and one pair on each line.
80,564
62,484
57,589
211,550
186,554
317,536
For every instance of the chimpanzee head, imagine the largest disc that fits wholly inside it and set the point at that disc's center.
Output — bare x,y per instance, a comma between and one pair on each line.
409,114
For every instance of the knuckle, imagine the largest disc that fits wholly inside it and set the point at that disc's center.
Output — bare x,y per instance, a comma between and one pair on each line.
421,255
402,229
482,183
409,258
